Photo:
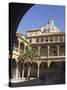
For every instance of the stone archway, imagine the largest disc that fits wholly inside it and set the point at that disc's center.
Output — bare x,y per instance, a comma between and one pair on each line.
16,12
53,65
43,69
34,68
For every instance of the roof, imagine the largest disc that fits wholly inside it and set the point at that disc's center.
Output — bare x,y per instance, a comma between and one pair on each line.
22,37
33,30
47,34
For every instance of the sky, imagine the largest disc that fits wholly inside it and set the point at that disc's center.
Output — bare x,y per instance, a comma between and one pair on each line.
38,16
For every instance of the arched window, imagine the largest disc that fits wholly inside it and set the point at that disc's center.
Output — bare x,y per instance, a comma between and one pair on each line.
34,68
53,51
43,65
53,65
21,46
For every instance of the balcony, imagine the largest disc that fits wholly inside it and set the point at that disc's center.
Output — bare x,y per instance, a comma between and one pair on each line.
48,39
51,57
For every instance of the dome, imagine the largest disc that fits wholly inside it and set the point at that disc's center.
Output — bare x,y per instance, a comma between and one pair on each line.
50,22
50,27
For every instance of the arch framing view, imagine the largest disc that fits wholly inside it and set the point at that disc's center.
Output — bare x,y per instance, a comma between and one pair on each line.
37,57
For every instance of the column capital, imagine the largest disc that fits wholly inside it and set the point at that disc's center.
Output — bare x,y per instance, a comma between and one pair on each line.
39,47
48,46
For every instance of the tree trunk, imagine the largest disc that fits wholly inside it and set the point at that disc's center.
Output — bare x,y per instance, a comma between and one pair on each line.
28,71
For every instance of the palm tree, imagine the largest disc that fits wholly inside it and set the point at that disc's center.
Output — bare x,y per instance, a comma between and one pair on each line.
23,59
31,56
28,55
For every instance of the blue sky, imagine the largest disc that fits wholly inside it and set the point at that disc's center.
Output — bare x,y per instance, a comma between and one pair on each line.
38,16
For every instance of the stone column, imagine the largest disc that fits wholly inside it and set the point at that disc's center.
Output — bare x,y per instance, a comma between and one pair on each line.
38,71
39,50
39,40
23,72
17,72
53,38
44,39
28,71
58,38
49,63
48,50
58,50
48,56
48,38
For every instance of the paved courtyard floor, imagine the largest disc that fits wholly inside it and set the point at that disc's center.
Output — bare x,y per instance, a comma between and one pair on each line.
38,82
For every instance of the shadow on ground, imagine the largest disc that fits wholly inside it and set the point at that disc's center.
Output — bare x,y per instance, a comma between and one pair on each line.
39,82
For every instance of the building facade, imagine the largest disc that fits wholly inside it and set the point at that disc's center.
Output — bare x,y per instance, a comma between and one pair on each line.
49,43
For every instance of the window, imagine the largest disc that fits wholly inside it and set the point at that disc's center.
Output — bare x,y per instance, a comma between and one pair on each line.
36,33
55,53
60,38
37,39
30,40
30,34
46,39
51,38
55,38
42,39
